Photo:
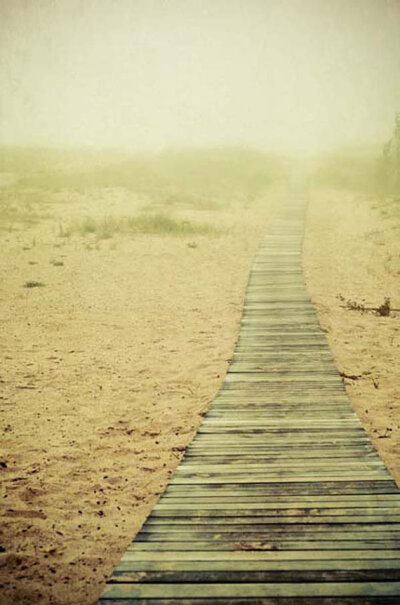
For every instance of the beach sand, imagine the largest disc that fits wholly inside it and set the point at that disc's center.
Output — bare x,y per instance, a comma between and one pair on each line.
352,260
107,370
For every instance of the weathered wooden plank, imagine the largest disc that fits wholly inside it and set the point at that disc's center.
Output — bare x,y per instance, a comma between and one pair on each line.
293,418
293,487
288,360
243,575
254,457
303,358
277,443
289,537
287,421
317,368
270,401
262,555
245,590
279,529
273,414
310,395
188,467
271,515
284,350
275,429
278,440
253,601
352,435
263,379
269,520
359,447
293,423
283,434
168,503
280,447
269,455
267,412
279,517
207,478
273,457
252,566
243,543
280,501
344,430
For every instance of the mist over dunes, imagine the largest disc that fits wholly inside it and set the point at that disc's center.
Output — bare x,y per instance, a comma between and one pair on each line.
289,75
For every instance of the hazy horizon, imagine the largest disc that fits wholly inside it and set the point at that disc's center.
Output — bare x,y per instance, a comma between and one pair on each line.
288,76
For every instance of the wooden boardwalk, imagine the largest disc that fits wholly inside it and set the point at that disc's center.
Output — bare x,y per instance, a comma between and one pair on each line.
280,497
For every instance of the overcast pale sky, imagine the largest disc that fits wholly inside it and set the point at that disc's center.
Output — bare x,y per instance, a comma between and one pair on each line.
283,74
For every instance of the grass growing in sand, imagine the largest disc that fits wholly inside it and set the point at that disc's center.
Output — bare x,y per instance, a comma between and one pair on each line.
21,208
33,284
148,193
144,223
160,224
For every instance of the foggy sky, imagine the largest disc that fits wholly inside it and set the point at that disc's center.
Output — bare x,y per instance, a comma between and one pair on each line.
280,74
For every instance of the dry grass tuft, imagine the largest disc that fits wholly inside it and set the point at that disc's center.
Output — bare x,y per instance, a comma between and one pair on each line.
34,284
150,224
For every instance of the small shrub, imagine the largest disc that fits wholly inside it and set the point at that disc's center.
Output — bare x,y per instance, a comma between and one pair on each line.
33,284
355,306
108,227
144,223
88,225
165,225
384,309
104,228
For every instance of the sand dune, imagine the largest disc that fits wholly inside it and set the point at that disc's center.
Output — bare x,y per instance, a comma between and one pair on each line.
352,260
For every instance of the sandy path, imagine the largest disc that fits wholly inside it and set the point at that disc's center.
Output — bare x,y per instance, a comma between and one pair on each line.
352,252
107,371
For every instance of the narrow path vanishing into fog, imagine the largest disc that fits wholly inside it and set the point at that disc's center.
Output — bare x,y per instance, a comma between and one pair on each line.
280,497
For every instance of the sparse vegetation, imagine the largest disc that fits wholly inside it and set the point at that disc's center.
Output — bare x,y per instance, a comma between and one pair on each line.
353,305
104,228
88,225
160,187
162,224
143,223
34,284
383,310
20,208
